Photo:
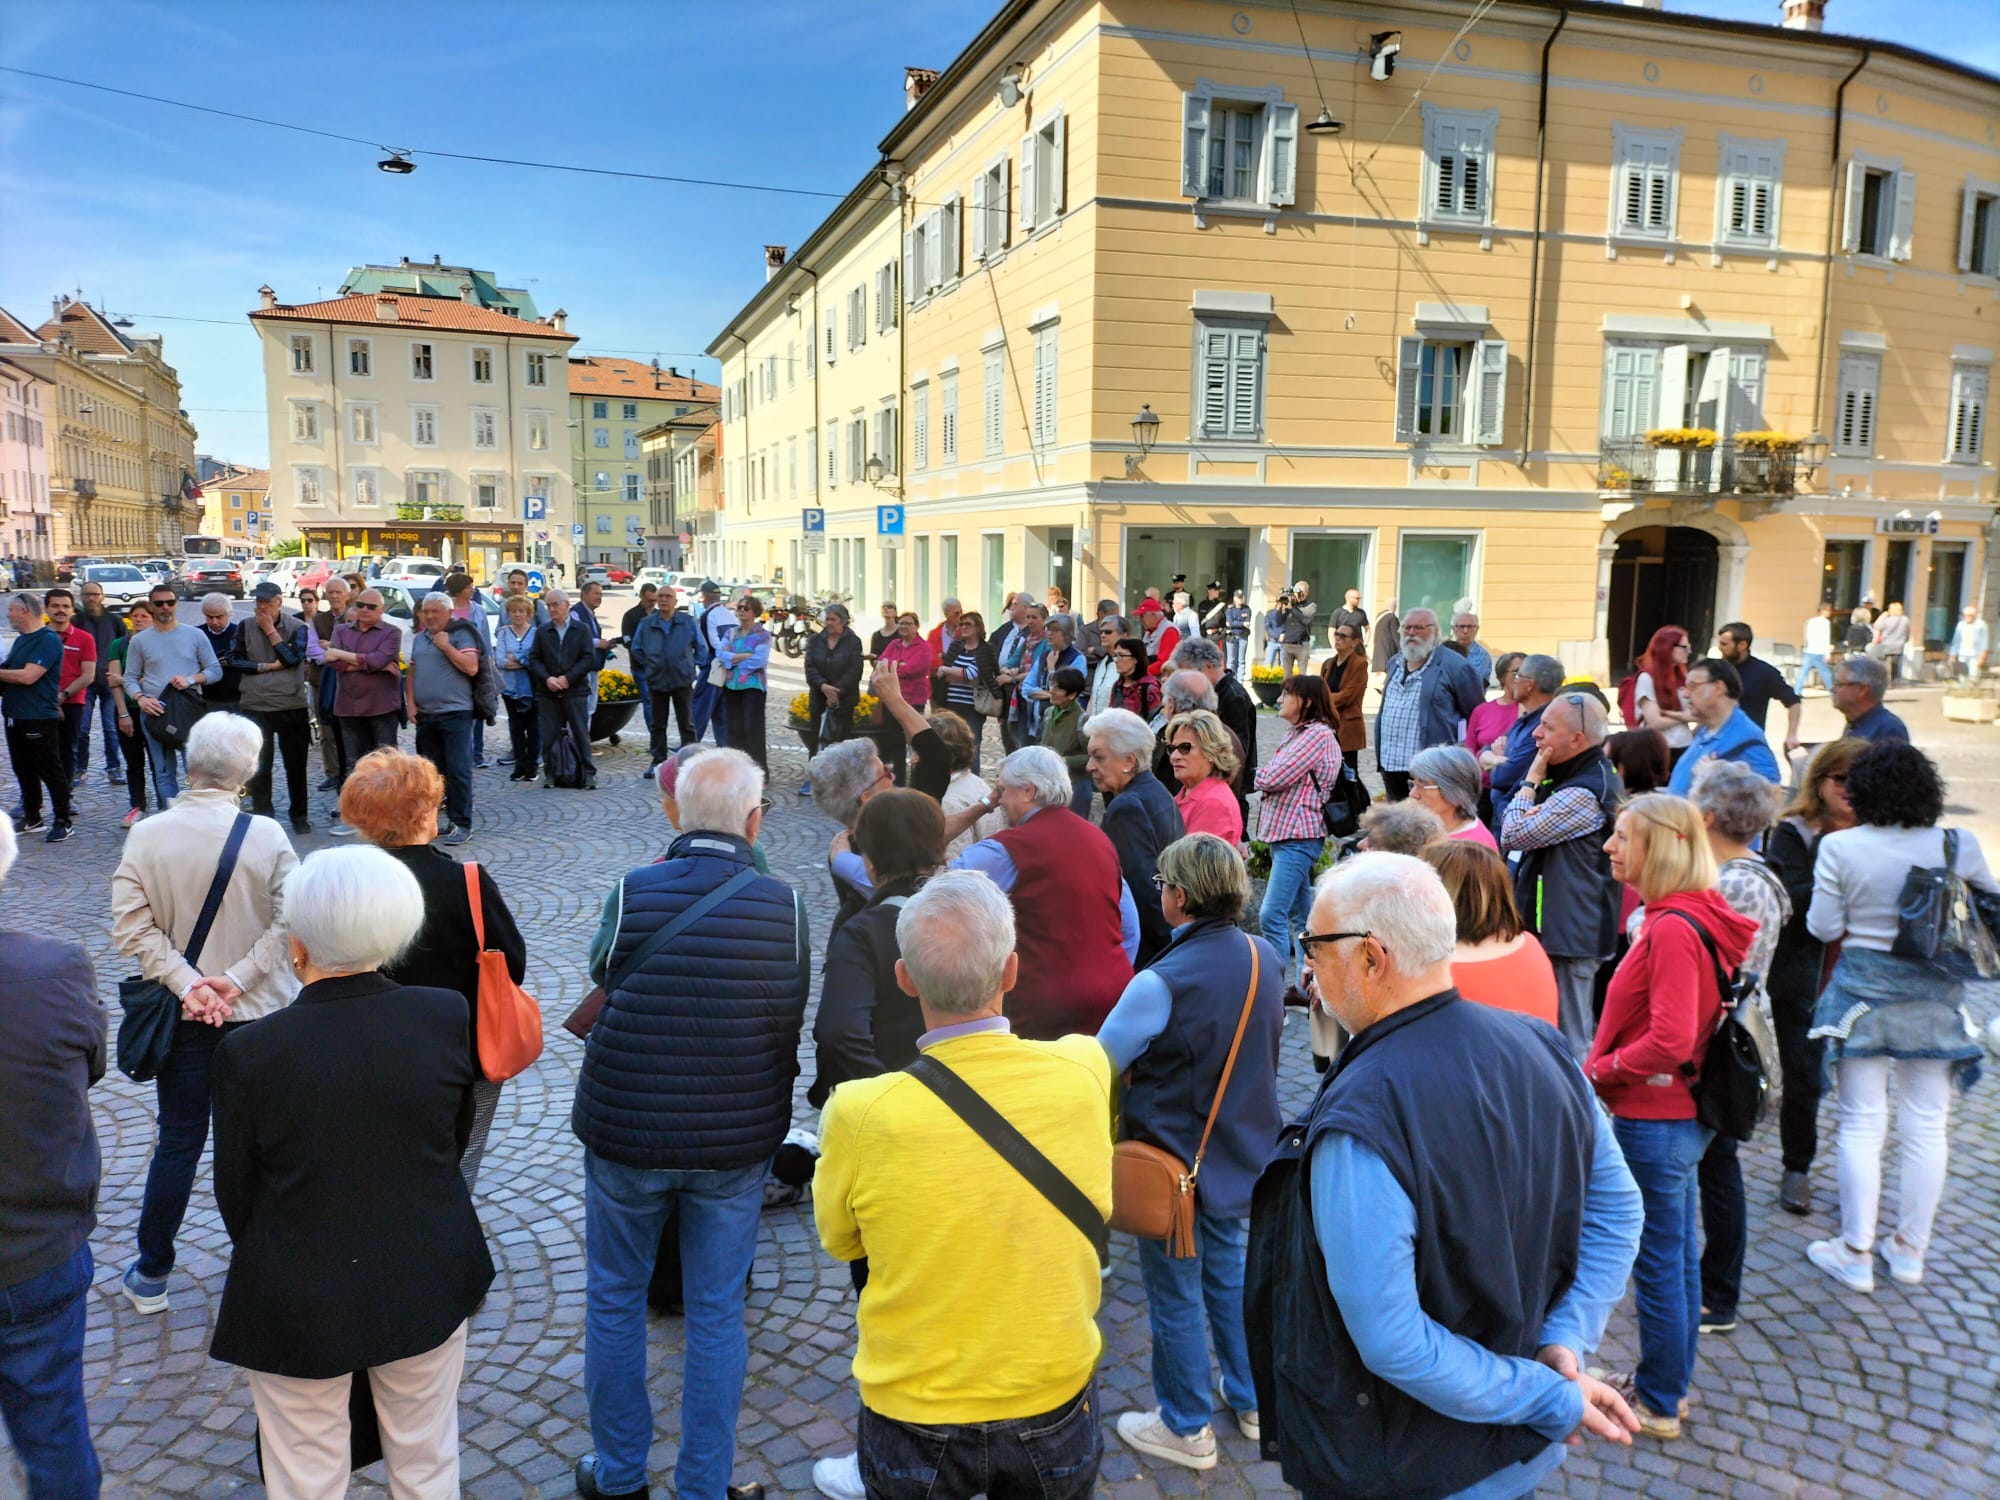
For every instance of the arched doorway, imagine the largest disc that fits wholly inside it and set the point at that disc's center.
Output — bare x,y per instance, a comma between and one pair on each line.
1661,575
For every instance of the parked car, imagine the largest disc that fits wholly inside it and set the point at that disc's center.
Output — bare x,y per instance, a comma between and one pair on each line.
122,583
208,575
608,574
286,572
423,573
157,569
659,578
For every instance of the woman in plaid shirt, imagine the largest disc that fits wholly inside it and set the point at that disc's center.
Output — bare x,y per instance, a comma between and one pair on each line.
1295,783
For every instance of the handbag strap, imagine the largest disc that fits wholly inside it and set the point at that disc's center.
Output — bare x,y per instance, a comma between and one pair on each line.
212,903
478,911
1016,1150
675,928
1722,986
1242,1025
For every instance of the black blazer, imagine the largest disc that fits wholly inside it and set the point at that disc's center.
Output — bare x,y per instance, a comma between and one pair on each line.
866,1024
571,654
444,956
1141,821
339,1122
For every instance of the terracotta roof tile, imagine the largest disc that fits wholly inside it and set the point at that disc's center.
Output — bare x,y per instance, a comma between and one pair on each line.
87,329
14,331
256,479
446,314
595,375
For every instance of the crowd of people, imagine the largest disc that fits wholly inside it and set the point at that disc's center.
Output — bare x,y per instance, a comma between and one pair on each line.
1516,949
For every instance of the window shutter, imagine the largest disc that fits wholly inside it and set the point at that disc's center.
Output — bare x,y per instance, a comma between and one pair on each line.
1489,391
912,287
1968,217
933,249
1027,182
1282,123
1968,413
1745,409
1632,187
1003,222
1410,353
881,301
1194,145
1214,395
1850,223
1474,151
1246,365
1906,216
832,319
1057,131
952,217
979,217
995,427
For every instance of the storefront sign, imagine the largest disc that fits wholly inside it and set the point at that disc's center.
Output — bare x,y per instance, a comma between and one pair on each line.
1906,525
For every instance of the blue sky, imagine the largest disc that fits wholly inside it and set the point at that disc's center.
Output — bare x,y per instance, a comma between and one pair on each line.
155,211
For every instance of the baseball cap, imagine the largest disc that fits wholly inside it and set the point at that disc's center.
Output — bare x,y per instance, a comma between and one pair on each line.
267,590
1149,607
710,586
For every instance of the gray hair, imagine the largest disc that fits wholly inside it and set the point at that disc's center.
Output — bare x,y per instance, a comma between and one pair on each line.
353,910
222,751
1122,732
841,774
950,603
718,791
551,595
1453,771
1741,802
1117,622
1401,827
1184,692
1591,716
32,603
1039,770
1866,672
1064,623
217,600
838,609
1024,597
1197,655
1545,672
1209,874
435,596
1401,901
955,936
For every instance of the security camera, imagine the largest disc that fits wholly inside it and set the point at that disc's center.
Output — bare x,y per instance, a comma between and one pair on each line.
1382,49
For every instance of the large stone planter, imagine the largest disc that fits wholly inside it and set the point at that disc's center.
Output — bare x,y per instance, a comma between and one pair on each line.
1267,692
610,718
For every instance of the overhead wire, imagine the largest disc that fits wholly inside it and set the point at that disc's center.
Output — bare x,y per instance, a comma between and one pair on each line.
1478,13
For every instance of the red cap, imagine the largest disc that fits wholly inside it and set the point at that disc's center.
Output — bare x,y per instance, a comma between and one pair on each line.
1149,607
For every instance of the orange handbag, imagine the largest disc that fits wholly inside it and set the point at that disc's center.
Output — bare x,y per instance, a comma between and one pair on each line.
1152,1191
510,1022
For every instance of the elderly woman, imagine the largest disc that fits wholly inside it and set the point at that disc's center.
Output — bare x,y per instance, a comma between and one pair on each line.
356,1252
1445,780
1059,650
1291,818
202,845
1737,805
833,684
866,1023
1661,1009
1497,962
1883,1014
965,677
512,644
1173,1031
966,789
391,800
1139,817
1204,763
744,656
1107,633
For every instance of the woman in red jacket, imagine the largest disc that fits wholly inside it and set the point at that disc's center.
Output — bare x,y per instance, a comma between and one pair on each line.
1659,1013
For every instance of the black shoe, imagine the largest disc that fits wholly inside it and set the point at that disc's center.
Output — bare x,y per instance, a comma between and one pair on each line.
302,825
330,784
1795,1194
586,1483
57,834
751,1491
25,824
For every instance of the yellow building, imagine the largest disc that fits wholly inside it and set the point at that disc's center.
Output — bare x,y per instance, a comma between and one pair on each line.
236,507
1419,352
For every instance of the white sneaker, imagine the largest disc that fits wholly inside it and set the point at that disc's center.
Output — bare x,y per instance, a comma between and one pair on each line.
1246,1421
840,1478
1903,1266
1146,1431
1856,1272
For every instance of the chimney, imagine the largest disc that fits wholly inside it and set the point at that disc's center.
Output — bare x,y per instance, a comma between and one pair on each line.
267,297
406,260
1805,15
774,260
465,291
385,309
559,321
437,260
917,83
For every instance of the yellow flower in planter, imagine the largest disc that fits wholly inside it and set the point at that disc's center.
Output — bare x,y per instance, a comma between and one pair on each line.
1767,442
614,686
1682,437
1267,674
801,710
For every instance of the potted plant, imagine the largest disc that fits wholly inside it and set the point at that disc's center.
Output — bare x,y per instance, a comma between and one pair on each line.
1970,701
1686,439
1265,682
617,701
802,715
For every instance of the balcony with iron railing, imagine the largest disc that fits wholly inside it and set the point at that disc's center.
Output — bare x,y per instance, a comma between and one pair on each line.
1727,468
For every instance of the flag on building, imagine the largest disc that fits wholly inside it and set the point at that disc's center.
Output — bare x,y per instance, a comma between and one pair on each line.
189,489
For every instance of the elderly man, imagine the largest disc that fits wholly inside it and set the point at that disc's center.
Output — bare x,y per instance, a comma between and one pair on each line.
714,623
337,597
663,645
170,655
49,1170
103,628
1724,731
944,634
367,653
1465,641
1014,656
1140,817
1076,920
1761,682
589,600
1466,1224
1158,632
1859,685
1425,701
560,662
28,686
219,625
1536,682
1557,822
445,659
1970,641
659,1139
1892,638
990,1393
271,656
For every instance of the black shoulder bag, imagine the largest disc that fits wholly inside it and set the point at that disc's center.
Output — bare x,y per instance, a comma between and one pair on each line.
146,1030
1732,1088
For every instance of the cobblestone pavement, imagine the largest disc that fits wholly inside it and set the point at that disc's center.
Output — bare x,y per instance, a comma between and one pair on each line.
1814,1395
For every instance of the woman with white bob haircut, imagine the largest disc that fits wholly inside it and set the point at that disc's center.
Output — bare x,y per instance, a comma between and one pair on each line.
338,1131
170,864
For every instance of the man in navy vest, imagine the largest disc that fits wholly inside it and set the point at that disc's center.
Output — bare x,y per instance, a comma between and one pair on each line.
1436,1249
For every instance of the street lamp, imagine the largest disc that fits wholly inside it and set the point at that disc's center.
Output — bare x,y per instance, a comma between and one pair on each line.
397,162
1812,453
1145,429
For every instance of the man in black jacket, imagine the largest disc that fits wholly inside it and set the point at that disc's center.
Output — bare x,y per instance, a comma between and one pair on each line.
1139,815
1233,706
560,662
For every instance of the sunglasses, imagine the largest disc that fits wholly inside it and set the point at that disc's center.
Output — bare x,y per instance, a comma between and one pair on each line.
1183,747
163,603
368,606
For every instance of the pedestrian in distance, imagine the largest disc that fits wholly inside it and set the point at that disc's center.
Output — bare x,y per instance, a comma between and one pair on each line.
965,677
79,670
1762,683
1859,685
104,628
125,710
559,667
833,683
271,662
239,976
1291,816
513,646
1817,650
355,1251
29,690
220,628
662,645
1426,699
446,659
366,655
745,657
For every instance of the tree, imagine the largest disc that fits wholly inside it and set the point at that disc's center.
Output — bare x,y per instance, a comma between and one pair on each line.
291,547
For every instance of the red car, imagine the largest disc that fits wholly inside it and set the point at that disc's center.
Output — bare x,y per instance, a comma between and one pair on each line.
607,573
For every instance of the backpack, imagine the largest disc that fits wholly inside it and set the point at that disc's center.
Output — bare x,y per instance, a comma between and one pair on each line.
486,681
562,761
1732,1088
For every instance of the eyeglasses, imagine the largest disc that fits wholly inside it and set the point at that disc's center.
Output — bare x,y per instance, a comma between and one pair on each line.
163,603
1160,883
367,606
1309,940
1183,747
1423,786
764,806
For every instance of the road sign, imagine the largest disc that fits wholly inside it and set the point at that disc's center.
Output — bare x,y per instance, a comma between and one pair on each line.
815,544
813,519
576,533
541,536
889,525
535,579
535,508
252,519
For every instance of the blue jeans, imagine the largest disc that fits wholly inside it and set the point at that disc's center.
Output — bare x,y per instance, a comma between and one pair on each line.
164,761
182,1089
98,705
1176,1293
1666,1278
707,707
1288,893
1233,651
623,1211
645,696
41,1379
445,740
1814,662
1050,1456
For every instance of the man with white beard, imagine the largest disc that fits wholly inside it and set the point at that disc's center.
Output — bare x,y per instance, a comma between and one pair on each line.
1425,701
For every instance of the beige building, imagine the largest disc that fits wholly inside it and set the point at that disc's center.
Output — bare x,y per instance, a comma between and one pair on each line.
612,403
121,450
671,502
236,508
1546,316
410,424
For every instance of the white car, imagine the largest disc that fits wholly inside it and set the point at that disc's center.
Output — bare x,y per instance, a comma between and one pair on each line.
659,578
424,573
123,583
285,572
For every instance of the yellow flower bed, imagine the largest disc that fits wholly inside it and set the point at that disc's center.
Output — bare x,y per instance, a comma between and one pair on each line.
1682,437
801,711
1267,674
614,686
1767,442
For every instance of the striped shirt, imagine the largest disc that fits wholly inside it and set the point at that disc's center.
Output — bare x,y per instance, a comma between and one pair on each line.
1296,782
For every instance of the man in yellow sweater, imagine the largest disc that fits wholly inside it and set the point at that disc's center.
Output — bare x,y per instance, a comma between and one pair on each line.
978,1319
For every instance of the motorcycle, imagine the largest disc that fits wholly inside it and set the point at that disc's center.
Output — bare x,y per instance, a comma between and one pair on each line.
794,631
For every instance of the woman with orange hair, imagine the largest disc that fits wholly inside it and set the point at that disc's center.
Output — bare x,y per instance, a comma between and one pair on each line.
391,799
1661,673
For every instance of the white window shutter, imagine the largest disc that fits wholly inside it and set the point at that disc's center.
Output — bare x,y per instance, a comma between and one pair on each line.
1057,131
1002,220
1245,368
953,218
1474,182
1745,407
1850,223
1281,155
979,217
912,288
1967,218
1906,216
1194,145
1489,391
1027,183
1409,355
881,302
933,249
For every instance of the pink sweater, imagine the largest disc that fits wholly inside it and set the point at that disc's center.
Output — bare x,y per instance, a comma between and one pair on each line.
1210,807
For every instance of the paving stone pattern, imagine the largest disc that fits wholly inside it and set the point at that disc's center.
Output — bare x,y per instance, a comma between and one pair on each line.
1816,1394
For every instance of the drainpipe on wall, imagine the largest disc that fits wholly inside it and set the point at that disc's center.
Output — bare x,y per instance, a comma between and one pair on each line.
812,444
745,343
1833,211
1535,249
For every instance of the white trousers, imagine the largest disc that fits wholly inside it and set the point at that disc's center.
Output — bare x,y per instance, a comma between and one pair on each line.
303,1427
1923,1106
